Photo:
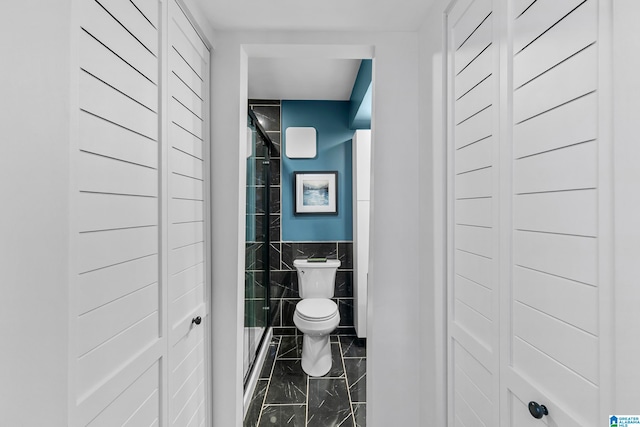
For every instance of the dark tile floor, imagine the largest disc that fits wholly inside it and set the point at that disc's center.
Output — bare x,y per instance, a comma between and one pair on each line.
286,396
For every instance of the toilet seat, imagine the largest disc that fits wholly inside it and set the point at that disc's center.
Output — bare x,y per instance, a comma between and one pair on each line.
316,309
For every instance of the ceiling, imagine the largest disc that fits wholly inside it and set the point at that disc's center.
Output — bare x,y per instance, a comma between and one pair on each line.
314,79
302,79
315,15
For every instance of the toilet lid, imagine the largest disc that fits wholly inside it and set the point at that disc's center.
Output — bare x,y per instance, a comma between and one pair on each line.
316,309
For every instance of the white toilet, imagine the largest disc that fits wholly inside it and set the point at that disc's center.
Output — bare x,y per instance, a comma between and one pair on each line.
316,316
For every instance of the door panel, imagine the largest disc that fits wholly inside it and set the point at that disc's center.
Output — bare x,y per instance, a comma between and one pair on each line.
475,184
468,391
475,156
518,411
117,350
473,295
572,301
476,240
471,47
569,168
476,325
572,212
571,257
474,128
188,70
524,212
565,125
138,211
538,18
138,405
553,344
569,36
473,316
563,83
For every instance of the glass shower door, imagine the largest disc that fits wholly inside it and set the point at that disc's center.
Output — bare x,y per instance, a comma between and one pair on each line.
256,314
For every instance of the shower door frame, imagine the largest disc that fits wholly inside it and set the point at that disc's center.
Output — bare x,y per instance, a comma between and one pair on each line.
269,147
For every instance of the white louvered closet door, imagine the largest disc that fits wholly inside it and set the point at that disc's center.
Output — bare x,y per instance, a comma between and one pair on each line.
116,344
137,359
528,287
188,76
553,347
473,343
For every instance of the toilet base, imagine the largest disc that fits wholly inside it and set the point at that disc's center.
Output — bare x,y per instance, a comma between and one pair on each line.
316,355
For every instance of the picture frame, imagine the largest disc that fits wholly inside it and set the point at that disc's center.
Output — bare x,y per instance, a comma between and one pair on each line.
315,192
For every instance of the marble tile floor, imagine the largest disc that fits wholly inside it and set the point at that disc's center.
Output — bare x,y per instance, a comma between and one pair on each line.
287,397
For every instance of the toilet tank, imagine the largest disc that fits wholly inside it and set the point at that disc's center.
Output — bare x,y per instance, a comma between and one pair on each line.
316,279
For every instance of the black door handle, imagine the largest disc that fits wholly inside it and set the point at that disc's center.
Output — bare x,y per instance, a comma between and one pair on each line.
196,320
537,411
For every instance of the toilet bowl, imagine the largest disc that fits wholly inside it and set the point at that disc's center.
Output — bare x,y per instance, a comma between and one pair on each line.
316,318
316,315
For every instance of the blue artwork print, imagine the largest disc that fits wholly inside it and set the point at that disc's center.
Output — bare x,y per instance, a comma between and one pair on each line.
315,193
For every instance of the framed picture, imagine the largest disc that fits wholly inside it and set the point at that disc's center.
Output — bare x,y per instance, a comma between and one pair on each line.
315,192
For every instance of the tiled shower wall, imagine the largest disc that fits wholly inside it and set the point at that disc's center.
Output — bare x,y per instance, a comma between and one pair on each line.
254,278
284,280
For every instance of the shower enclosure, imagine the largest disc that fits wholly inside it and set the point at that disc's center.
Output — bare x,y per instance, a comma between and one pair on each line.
257,272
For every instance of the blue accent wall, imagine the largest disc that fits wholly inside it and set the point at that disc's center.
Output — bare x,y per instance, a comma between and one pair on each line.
331,120
360,100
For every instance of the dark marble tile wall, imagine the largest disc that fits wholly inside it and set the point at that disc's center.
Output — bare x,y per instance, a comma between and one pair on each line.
284,280
268,113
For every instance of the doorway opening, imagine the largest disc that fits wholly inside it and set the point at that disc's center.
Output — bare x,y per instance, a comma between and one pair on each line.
290,236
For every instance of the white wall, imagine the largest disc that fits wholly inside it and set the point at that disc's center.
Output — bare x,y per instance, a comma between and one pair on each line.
393,333
227,184
626,106
393,388
34,189
432,220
